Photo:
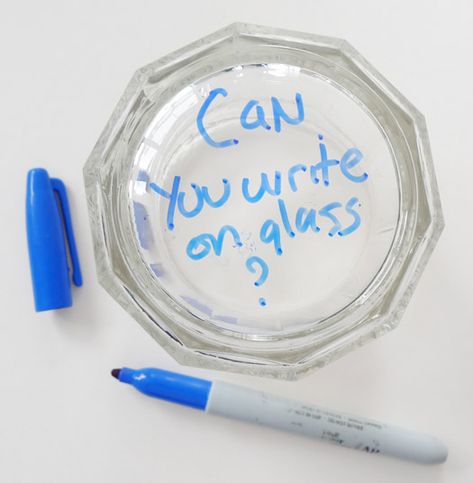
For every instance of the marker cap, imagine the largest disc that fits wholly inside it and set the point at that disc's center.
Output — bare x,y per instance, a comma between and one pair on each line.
49,229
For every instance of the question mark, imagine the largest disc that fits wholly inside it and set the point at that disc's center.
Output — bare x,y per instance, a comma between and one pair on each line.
250,265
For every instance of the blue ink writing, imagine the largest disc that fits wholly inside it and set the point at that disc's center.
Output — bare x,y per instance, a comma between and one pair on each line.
264,187
323,165
172,197
356,217
198,207
305,219
177,197
279,113
349,160
250,265
333,216
200,246
327,211
285,218
260,120
292,172
222,200
270,233
319,171
200,120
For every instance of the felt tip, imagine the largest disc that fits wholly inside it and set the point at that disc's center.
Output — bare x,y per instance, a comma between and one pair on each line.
115,373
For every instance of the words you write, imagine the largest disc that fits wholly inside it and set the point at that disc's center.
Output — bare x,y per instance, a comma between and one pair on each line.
185,202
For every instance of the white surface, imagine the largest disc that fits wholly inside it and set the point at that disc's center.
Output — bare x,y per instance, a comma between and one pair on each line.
62,417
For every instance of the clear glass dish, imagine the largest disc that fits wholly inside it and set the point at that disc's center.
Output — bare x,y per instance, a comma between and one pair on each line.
262,201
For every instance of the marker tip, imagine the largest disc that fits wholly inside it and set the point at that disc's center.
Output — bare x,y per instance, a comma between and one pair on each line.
116,373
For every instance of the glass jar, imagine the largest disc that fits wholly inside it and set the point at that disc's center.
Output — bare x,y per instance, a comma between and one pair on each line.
262,201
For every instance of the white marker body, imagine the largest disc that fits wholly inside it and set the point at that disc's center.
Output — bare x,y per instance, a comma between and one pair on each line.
343,429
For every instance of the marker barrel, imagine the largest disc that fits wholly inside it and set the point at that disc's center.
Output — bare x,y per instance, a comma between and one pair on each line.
338,428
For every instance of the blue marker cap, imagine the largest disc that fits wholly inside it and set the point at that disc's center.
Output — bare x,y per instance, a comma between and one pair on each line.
48,225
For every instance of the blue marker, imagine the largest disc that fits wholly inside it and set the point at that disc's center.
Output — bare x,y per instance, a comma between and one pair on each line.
252,406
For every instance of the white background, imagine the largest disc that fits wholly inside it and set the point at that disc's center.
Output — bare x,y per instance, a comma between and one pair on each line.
62,417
